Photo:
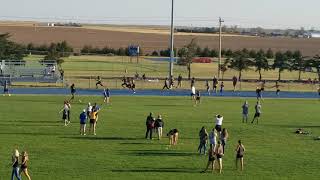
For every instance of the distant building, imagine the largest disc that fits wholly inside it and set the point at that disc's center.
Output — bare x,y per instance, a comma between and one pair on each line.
51,24
315,35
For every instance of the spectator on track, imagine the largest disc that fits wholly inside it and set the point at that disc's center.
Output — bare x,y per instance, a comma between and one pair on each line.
83,121
124,82
215,83
221,87
219,120
245,112
219,154
159,124
208,87
24,165
171,82
193,81
73,91
258,93
15,165
173,135
179,81
6,88
166,84
203,135
239,154
149,125
99,82
224,137
234,83
258,112
211,159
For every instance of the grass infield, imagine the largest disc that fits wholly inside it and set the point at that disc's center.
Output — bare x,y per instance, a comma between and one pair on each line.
119,151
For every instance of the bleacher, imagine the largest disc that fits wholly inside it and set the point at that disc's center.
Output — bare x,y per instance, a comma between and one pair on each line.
33,71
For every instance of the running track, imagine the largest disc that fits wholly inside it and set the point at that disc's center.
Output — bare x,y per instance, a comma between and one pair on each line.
157,92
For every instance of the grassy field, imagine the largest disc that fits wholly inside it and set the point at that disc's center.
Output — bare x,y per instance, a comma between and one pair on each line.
82,70
119,151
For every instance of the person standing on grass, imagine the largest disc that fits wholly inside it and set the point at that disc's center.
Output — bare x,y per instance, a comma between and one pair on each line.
213,138
179,81
239,154
66,112
15,165
89,110
211,159
150,125
219,154
215,83
193,93
159,124
93,121
83,121
258,112
234,83
245,112
24,165
173,135
106,94
99,82
198,97
203,135
208,87
221,87
73,91
219,120
224,137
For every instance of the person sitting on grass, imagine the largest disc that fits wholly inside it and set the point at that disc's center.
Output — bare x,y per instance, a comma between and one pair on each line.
173,135
239,154
159,124
301,131
211,159
219,154
83,121
24,165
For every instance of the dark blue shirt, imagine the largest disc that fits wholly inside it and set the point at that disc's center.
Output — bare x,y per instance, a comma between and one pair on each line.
83,118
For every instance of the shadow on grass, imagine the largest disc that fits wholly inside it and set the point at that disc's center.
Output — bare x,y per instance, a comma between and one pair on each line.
160,153
100,138
158,170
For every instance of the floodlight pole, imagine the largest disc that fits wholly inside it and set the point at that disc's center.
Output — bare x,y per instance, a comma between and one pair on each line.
172,41
220,46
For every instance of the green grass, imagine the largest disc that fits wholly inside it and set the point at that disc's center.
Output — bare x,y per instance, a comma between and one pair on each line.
119,151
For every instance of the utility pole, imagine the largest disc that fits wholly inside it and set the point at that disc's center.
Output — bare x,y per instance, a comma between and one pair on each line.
172,41
220,46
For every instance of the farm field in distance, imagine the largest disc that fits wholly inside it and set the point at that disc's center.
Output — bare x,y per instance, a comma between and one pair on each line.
119,151
148,38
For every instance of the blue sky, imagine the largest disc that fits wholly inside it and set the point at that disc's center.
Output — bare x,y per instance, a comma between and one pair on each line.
244,13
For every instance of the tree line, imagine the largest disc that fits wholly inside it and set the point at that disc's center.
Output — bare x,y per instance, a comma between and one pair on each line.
243,60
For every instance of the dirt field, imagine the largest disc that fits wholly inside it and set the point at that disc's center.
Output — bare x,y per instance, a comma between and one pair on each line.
78,37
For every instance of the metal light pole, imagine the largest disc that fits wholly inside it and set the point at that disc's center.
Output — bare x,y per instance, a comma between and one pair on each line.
172,41
220,46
